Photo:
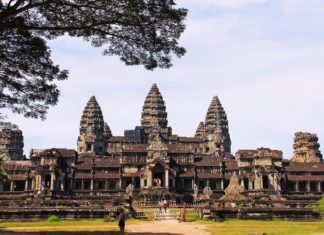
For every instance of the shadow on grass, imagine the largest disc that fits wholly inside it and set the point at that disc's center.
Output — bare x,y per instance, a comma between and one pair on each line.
4,232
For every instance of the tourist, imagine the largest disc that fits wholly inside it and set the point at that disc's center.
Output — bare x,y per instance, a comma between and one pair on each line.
122,220
165,205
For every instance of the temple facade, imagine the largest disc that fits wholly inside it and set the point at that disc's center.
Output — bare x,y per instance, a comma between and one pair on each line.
152,159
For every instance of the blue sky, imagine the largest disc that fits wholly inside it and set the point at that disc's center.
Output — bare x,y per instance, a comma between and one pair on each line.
263,58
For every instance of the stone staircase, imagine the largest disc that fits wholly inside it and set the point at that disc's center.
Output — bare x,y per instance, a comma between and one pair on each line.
165,215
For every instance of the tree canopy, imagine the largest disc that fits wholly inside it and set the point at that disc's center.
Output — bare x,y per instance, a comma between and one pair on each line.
140,32
3,173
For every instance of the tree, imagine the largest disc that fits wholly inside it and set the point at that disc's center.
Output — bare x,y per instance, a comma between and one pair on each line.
3,172
140,32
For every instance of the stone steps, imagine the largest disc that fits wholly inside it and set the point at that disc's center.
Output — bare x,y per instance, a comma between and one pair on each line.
165,216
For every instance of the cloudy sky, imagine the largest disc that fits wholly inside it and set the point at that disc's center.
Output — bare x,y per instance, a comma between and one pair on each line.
263,58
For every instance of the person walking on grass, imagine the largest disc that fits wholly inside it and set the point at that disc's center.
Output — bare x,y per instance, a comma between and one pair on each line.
121,221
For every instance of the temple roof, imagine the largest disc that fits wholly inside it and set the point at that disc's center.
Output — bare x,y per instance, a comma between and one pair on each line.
107,132
92,121
200,132
209,161
154,111
260,152
216,125
206,175
305,167
216,119
16,165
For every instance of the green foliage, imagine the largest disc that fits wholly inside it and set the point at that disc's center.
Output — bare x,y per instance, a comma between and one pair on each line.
53,218
320,206
141,32
3,172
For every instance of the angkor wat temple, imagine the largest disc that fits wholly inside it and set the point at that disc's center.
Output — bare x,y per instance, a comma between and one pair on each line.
154,161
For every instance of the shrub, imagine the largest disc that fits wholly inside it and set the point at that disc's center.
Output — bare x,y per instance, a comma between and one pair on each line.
53,218
320,206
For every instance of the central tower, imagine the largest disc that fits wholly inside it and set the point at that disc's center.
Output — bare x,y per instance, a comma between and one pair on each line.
154,115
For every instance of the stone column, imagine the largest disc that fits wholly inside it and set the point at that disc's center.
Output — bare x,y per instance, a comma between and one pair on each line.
192,184
52,181
308,189
222,184
149,179
91,185
12,185
297,186
106,184
250,185
166,179
62,185
33,186
26,185
37,182
120,183
319,186
82,184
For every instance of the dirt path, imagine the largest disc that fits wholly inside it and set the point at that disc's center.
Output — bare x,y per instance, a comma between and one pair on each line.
171,227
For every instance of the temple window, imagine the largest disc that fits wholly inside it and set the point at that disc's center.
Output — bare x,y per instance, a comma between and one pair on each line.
265,181
87,184
101,185
112,184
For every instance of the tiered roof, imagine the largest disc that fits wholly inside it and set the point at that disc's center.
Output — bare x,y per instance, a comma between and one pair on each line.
92,121
200,132
216,119
306,148
107,132
154,111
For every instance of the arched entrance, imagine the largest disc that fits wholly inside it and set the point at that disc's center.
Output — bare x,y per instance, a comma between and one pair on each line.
158,175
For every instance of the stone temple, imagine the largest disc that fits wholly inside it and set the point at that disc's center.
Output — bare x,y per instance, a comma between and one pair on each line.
158,163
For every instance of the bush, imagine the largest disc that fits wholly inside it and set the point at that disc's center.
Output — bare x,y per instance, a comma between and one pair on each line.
53,218
320,206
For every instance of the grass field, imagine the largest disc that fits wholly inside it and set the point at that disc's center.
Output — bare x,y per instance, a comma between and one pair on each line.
229,227
277,227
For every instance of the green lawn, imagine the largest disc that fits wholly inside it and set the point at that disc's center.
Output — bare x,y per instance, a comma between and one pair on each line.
277,227
229,227
65,227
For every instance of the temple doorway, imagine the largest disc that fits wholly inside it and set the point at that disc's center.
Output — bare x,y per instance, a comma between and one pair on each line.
158,175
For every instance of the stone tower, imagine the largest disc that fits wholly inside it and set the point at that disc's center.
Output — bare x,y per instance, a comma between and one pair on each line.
107,132
216,128
154,115
11,141
93,135
306,148
200,132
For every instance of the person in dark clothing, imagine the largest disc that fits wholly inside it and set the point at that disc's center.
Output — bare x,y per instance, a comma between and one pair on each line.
121,221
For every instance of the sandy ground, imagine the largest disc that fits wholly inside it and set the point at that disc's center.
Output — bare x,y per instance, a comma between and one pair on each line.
168,227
